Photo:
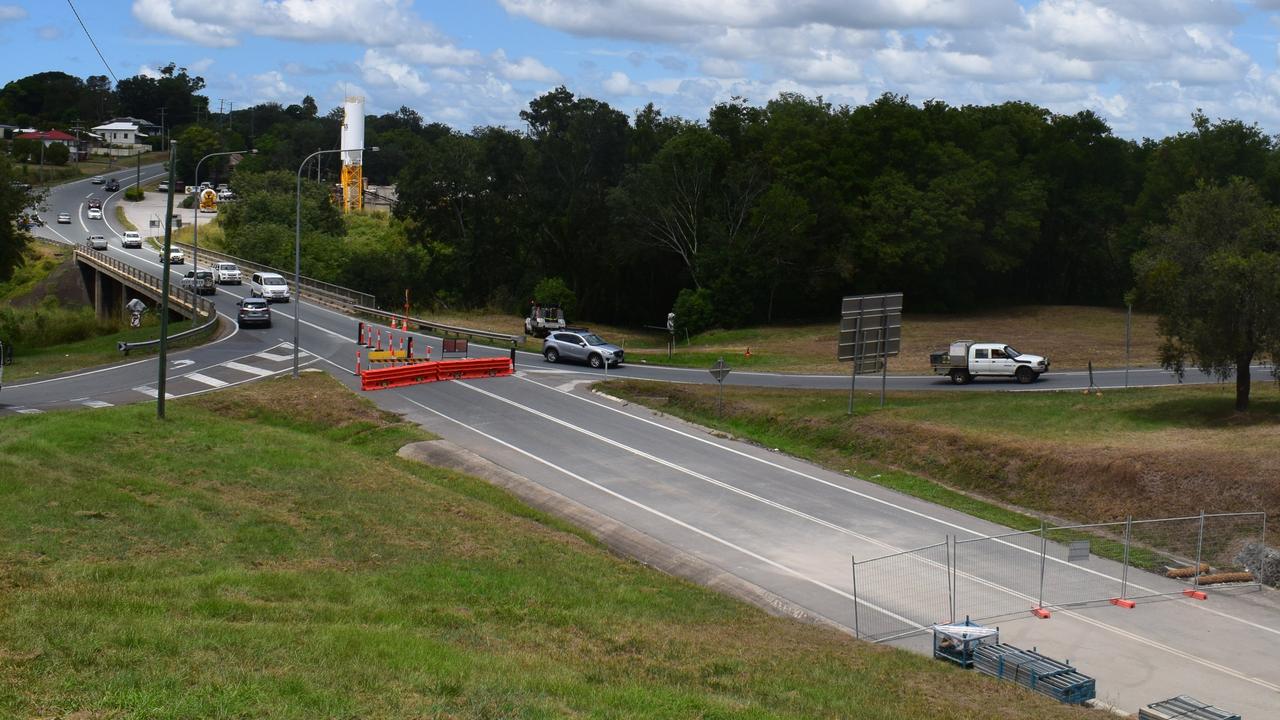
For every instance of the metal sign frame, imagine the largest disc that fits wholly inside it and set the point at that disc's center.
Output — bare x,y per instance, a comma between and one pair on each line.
870,329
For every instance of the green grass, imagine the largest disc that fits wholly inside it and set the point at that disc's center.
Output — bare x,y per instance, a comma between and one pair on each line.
40,260
1014,458
1070,336
123,219
29,363
263,553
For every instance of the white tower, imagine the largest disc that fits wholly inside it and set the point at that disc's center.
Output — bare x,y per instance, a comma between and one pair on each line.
352,160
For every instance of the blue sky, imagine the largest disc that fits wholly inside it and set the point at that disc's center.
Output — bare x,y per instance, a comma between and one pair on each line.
1144,65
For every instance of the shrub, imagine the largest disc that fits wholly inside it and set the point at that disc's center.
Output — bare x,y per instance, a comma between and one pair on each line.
694,311
554,291
134,194
50,325
57,154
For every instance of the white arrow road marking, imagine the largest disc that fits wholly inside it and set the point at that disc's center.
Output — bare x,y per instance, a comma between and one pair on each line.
182,363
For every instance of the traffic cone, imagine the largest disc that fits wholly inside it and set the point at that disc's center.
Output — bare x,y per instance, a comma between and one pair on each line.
748,351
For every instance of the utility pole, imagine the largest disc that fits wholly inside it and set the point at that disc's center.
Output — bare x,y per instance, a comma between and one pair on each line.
164,284
231,107
78,128
164,133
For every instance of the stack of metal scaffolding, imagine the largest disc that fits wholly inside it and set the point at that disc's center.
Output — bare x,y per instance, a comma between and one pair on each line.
1033,670
1184,707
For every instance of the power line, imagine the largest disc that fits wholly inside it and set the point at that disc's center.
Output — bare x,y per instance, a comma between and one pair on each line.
91,42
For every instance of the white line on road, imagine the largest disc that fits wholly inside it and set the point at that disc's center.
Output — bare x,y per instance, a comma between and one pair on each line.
771,503
669,518
260,372
276,358
211,381
96,404
917,513
152,392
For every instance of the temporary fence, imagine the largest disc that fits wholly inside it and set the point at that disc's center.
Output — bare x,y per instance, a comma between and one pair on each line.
1051,567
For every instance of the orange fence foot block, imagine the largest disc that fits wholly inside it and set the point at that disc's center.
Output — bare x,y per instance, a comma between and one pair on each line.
1040,613
1195,594
1121,602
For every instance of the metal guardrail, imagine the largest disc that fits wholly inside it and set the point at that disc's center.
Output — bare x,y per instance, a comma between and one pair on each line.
318,290
195,306
442,329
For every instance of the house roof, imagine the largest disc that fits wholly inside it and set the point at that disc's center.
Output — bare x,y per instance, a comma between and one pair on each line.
132,127
56,135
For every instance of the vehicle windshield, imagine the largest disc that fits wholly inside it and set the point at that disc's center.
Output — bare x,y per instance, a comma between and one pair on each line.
272,281
226,266
593,339
1013,354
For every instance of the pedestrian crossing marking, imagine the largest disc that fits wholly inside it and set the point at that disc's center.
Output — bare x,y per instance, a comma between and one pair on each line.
260,372
211,381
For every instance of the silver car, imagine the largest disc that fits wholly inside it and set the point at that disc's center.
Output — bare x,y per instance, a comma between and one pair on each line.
580,345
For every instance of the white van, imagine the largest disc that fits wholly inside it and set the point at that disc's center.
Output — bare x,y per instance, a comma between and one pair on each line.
270,286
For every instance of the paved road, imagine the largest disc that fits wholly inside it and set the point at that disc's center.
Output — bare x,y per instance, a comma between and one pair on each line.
782,524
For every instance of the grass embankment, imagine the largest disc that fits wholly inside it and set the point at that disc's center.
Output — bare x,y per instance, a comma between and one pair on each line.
298,569
51,331
36,362
123,219
1069,336
1161,452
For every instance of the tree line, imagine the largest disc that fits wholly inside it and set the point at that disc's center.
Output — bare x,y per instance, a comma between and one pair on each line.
753,213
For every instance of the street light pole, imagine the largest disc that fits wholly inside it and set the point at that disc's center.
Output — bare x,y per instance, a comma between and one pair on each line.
297,248
164,286
195,212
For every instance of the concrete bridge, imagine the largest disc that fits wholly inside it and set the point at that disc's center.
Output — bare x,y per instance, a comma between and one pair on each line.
112,284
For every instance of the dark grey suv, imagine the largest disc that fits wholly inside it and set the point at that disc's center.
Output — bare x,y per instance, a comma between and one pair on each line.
583,346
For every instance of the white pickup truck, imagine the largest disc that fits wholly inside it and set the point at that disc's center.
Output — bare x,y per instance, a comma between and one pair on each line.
966,359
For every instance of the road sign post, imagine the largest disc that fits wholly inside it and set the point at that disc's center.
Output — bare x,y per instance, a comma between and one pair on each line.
720,371
870,332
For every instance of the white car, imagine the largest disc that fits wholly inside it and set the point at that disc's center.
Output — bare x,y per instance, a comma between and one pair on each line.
94,213
226,273
64,218
97,242
269,286
163,186
176,257
131,239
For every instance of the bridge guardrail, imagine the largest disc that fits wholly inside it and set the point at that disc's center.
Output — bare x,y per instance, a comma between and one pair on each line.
318,290
196,306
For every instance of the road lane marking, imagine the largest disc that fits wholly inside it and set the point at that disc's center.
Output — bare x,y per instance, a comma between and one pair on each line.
152,392
30,411
96,404
851,491
824,523
676,521
211,381
260,372
276,358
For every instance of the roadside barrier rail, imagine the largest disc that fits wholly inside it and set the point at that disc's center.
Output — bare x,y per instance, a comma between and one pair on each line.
512,341
317,290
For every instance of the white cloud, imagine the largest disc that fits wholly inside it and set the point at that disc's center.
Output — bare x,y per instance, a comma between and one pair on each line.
526,68
49,32
271,86
200,66
619,84
159,15
721,68
12,12
220,24
437,54
380,69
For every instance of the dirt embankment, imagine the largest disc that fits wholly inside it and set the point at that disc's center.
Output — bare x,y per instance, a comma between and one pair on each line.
1171,474
64,282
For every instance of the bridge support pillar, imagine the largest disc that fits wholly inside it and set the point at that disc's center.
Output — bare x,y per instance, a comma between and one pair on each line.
99,301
